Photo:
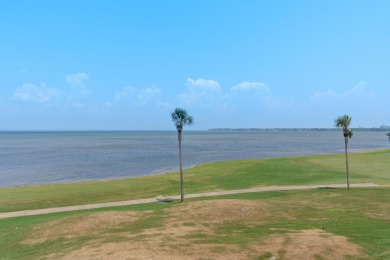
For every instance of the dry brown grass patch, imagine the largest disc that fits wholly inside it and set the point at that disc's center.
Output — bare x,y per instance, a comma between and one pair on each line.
309,244
131,250
218,211
174,240
306,244
76,226
381,211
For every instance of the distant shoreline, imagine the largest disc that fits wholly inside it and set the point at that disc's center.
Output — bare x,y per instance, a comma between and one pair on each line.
293,129
59,157
281,129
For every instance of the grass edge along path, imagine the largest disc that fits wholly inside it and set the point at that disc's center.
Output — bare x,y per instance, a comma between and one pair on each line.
175,197
366,167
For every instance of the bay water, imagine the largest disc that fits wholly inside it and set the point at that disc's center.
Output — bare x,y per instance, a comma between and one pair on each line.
32,158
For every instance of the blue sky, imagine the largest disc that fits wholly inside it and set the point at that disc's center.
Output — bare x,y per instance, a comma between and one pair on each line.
125,65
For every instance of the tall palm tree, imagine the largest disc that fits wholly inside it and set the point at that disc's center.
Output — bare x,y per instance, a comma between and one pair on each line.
181,118
344,122
388,134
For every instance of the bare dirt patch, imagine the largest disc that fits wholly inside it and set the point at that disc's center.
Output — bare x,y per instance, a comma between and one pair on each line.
217,211
187,227
71,227
198,218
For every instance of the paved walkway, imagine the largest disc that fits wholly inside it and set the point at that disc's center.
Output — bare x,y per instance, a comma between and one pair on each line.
188,196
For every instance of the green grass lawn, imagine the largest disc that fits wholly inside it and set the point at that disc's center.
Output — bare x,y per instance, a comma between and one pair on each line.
324,169
214,226
360,215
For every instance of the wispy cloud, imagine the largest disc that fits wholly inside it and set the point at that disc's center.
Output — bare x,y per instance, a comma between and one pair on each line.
146,94
136,96
247,95
247,86
207,93
77,82
357,91
324,95
203,84
201,92
37,93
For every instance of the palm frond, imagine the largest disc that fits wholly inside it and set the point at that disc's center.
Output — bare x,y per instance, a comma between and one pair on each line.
349,133
181,118
343,121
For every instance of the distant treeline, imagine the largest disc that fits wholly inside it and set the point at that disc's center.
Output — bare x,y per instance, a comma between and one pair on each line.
292,129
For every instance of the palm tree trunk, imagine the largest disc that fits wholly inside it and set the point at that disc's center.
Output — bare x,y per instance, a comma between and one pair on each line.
346,160
181,168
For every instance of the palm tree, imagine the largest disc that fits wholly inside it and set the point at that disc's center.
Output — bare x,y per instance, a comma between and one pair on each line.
388,134
181,118
344,122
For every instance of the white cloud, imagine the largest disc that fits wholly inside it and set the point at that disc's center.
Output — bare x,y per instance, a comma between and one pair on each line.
201,92
248,96
77,81
203,84
246,86
324,95
126,91
41,93
145,94
357,91
137,96
189,98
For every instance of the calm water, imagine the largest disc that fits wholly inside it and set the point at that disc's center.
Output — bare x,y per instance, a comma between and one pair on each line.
29,158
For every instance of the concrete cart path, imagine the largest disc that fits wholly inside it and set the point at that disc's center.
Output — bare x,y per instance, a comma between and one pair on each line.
187,196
